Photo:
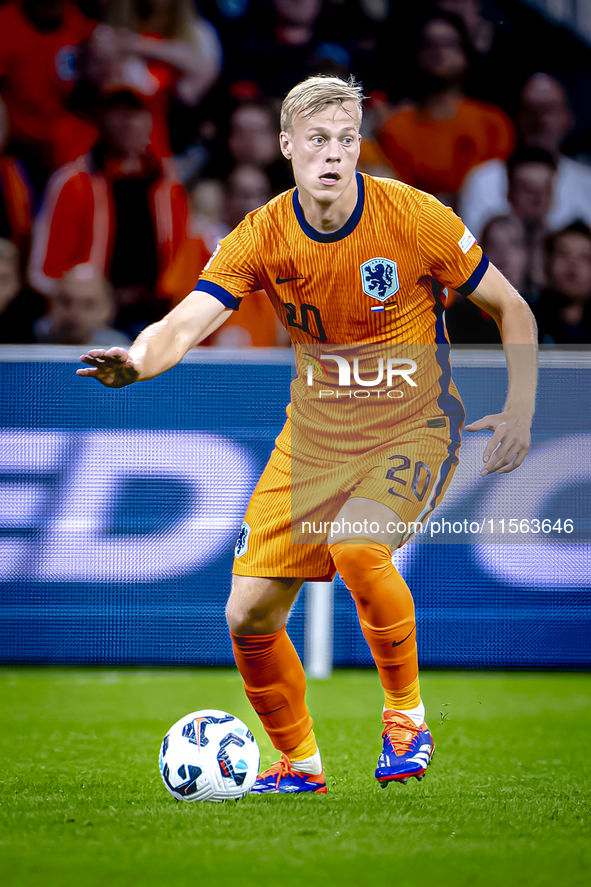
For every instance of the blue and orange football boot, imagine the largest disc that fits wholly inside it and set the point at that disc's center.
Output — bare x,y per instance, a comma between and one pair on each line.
281,778
407,751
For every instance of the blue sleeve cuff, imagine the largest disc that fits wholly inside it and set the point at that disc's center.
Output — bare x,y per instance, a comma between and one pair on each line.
218,292
466,288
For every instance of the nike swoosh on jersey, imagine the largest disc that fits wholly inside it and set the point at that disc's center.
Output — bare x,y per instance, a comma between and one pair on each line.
397,643
287,279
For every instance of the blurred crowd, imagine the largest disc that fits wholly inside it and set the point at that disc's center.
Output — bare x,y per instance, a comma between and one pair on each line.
135,134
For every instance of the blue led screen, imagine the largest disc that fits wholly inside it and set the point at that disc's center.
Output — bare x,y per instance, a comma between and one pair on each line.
119,511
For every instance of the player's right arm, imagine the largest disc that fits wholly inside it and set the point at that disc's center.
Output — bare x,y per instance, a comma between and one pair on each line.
229,276
160,346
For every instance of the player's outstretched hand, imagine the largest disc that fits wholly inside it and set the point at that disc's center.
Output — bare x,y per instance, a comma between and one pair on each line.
509,444
113,368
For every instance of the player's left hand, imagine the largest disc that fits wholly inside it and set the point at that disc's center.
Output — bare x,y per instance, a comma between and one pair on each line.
509,444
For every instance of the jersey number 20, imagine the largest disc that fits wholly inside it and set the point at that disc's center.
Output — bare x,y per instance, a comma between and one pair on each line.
306,312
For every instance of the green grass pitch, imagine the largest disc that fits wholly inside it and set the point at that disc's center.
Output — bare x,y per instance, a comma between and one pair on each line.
506,799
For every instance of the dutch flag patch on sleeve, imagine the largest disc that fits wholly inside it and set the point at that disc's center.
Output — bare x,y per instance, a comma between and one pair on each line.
467,240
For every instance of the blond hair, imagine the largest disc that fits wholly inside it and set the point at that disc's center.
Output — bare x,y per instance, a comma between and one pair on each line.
312,95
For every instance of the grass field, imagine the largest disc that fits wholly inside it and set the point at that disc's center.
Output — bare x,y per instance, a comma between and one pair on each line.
506,800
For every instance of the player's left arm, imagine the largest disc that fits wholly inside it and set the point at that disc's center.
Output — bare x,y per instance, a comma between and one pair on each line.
510,442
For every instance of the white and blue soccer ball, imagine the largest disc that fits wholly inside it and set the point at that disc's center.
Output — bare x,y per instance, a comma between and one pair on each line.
209,755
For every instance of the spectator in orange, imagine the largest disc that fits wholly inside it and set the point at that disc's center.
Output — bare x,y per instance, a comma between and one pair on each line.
119,210
39,48
160,49
435,140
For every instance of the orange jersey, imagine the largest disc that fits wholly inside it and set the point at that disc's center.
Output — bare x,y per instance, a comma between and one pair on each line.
438,154
376,284
396,252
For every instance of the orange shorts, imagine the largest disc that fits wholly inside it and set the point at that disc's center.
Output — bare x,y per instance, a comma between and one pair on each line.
289,517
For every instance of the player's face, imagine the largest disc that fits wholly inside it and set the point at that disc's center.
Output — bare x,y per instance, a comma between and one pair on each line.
324,150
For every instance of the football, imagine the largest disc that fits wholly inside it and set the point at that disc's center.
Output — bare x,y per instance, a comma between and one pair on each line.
209,755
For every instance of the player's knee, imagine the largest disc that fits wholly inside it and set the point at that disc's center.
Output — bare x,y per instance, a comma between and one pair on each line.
349,561
240,617
357,564
244,617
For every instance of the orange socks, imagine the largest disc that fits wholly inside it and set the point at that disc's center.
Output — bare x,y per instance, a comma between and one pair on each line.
275,684
273,675
386,614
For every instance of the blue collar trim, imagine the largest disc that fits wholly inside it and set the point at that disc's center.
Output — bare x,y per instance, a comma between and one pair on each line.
347,228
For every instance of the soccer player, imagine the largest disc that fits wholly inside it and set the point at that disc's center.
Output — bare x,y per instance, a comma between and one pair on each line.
355,267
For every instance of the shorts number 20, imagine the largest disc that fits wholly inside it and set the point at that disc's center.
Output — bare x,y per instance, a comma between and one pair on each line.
418,477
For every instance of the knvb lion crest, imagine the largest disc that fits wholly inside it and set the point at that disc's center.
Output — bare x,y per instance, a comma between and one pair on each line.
379,278
242,541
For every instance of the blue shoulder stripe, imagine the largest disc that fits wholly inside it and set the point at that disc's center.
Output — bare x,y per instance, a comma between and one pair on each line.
226,298
466,288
